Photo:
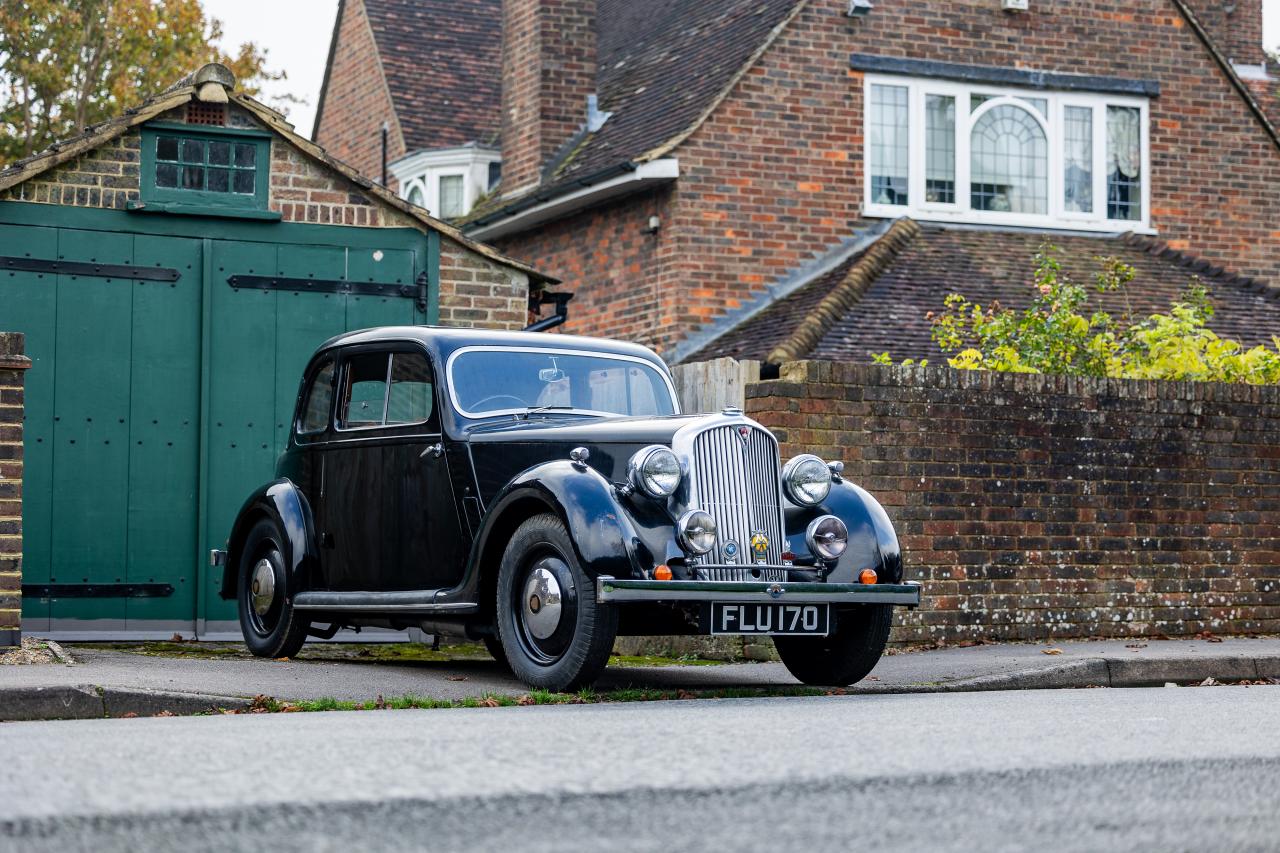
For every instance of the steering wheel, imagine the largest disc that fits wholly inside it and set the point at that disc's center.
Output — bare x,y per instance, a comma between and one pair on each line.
478,405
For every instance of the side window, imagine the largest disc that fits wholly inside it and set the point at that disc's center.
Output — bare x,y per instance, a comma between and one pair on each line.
364,391
411,399
315,409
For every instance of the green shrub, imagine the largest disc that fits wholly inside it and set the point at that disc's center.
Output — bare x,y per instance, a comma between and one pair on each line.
1056,335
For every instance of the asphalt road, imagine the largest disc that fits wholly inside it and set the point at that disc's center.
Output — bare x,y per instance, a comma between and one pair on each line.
1154,769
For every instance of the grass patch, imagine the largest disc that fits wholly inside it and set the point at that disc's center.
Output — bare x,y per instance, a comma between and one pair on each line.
660,660
586,696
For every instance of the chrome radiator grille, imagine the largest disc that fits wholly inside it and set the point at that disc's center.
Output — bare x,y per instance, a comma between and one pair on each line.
741,574
736,479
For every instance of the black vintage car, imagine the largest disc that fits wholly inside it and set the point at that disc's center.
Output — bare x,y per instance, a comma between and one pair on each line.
543,493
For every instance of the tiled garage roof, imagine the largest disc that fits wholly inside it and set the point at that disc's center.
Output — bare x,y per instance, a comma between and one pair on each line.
889,314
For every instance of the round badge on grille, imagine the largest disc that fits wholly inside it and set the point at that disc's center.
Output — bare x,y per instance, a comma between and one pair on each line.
730,549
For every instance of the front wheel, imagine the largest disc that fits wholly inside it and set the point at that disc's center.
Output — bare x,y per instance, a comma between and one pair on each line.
553,633
271,627
846,655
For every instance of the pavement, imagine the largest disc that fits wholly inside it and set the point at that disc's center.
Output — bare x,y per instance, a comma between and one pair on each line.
1065,770
118,683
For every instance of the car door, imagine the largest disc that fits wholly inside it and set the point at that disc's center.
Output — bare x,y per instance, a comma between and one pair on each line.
391,520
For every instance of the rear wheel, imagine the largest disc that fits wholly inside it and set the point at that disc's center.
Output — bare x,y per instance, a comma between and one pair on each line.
271,627
553,633
845,656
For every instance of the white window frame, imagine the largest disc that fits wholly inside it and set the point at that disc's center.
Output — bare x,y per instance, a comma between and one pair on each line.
1053,124
424,169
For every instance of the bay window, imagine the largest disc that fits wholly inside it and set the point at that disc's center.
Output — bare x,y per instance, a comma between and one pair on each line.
969,152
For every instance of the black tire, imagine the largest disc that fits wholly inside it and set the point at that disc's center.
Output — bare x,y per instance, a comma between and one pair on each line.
845,656
580,637
278,632
494,646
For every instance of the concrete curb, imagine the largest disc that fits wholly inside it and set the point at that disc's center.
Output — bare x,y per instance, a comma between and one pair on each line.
1105,672
88,702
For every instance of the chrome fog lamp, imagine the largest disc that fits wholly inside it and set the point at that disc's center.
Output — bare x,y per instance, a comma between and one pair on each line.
697,530
827,537
654,470
807,480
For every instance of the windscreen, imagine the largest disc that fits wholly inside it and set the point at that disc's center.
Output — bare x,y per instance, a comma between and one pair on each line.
486,382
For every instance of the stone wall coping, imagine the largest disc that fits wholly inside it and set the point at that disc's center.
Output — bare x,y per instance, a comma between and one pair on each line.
846,373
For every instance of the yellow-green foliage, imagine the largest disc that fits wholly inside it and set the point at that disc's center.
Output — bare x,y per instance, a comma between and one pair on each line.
1055,335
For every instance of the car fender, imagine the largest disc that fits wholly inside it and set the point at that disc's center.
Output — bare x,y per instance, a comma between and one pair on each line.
285,504
872,540
604,538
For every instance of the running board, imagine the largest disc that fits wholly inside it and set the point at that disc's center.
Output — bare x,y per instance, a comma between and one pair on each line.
408,601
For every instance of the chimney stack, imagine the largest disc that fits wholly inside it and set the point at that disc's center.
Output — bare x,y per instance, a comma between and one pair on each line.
1236,26
548,72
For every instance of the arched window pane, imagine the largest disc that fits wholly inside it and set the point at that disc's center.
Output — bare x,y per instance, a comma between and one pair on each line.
415,196
1009,169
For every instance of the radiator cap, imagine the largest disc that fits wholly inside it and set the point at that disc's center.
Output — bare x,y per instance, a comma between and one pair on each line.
731,410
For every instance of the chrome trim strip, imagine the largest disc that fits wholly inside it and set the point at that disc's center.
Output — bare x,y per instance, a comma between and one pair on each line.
421,601
453,396
610,590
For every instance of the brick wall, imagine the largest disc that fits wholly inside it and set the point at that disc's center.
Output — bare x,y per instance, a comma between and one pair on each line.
357,101
1035,507
614,267
13,365
774,177
474,291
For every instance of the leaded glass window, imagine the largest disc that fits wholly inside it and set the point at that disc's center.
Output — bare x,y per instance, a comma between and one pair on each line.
1077,160
940,149
890,152
1124,163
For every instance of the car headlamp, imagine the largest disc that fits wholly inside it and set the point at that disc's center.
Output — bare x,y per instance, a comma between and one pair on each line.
697,530
654,470
806,480
827,537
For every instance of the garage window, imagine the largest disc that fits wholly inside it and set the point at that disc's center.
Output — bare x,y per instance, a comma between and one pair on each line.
195,168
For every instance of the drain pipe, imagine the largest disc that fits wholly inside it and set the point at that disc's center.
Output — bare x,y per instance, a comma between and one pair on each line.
560,300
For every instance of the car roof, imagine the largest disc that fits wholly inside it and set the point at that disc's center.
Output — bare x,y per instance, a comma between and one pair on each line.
441,341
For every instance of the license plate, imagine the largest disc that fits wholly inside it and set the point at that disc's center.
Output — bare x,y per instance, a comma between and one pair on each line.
774,619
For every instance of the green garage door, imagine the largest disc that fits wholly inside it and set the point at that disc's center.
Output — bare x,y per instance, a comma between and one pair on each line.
153,407
111,440
260,341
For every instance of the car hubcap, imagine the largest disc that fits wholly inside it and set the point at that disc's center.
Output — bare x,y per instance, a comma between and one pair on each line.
545,608
262,587
542,603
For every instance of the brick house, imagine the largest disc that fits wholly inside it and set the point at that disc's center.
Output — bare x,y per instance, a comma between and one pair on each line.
172,270
721,178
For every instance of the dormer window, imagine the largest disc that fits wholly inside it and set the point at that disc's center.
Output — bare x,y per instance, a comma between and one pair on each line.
947,151
449,181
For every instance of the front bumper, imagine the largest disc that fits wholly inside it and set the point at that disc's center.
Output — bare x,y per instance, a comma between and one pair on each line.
611,590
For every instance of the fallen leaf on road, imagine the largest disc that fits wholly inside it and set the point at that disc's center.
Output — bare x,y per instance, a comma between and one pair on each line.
455,678
164,714
1051,651
1136,646
129,716
1210,682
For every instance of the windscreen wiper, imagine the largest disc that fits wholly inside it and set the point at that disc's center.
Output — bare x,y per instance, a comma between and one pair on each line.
533,410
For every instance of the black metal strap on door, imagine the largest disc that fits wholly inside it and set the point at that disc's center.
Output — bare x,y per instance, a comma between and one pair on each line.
96,590
89,270
416,291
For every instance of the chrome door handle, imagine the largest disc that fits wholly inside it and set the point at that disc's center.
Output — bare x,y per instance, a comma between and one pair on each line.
436,450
